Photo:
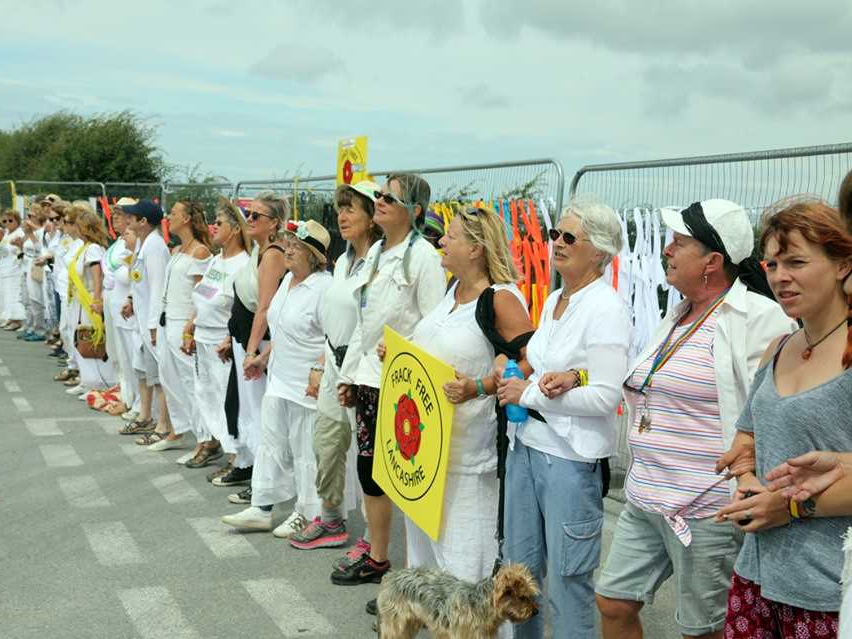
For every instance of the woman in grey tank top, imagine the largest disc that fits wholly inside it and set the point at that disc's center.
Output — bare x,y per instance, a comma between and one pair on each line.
786,580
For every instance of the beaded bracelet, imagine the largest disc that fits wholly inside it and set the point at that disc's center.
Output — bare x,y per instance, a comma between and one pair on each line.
480,387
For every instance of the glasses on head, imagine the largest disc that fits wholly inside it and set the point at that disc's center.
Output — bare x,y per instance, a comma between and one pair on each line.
568,238
389,198
255,215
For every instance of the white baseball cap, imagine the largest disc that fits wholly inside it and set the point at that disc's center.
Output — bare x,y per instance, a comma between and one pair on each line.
728,219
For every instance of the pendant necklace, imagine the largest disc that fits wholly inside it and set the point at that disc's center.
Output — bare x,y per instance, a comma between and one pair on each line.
806,354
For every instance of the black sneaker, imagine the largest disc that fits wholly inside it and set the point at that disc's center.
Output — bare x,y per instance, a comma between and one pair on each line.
222,470
372,607
363,571
235,477
242,497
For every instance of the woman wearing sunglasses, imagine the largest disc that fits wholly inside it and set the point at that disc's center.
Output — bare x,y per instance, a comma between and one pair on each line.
554,470
255,285
401,281
684,394
10,271
212,300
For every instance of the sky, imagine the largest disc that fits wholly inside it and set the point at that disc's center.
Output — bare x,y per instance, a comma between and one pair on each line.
258,89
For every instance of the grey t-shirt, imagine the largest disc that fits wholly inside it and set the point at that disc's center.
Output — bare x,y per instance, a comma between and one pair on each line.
800,564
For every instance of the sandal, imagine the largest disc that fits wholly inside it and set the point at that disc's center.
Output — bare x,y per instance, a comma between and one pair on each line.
150,438
65,375
204,457
137,427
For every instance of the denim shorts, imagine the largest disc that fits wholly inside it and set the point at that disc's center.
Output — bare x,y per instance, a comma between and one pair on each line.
645,552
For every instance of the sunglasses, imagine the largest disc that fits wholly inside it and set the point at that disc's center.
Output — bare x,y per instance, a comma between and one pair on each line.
54,219
389,198
254,216
568,238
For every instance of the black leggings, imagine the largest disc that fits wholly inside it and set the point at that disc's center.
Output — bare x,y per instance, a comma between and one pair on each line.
366,413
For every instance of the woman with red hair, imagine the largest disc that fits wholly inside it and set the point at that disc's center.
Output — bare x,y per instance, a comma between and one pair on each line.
787,578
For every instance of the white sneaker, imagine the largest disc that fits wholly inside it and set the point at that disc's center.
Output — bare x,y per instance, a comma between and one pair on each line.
167,444
79,389
181,461
252,517
295,523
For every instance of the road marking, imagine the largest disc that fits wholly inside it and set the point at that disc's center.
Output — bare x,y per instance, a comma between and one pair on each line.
292,613
4,372
141,455
43,427
12,387
60,455
155,614
83,492
223,541
112,544
174,488
22,405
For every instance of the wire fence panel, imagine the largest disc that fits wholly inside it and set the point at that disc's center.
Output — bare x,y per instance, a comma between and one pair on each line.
754,180
207,193
136,190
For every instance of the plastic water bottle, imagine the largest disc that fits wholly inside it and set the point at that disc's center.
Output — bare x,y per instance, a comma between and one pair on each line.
514,413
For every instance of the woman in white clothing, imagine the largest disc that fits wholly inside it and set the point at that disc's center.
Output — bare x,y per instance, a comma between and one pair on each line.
32,276
10,271
86,289
120,331
335,454
554,482
212,299
68,247
476,252
185,269
400,283
284,464
248,331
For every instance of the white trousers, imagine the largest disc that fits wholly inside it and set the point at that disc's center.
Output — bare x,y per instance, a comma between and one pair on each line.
250,394
120,350
177,377
34,305
285,466
211,385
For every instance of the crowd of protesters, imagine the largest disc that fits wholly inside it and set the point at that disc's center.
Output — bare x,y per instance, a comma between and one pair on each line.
246,346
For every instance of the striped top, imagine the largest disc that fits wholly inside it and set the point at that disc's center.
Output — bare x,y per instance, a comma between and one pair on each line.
673,462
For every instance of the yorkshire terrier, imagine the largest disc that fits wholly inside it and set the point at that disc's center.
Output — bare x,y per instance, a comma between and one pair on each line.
451,608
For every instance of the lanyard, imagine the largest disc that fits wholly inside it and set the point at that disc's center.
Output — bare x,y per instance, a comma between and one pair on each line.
665,352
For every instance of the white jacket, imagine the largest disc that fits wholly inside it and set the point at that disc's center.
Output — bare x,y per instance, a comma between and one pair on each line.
746,325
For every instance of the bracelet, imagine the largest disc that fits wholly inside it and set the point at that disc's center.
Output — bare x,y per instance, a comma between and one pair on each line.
582,377
318,368
804,510
188,336
480,387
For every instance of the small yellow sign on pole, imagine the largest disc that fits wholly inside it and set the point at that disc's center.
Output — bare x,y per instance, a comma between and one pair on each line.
352,160
413,431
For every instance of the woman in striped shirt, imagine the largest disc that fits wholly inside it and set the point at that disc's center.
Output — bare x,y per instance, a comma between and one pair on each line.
684,394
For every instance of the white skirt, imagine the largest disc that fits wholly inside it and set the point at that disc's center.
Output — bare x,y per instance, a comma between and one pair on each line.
211,385
285,466
13,304
177,377
467,543
248,423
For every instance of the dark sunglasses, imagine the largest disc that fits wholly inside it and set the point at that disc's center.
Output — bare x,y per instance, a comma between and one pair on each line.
389,198
54,219
254,216
568,238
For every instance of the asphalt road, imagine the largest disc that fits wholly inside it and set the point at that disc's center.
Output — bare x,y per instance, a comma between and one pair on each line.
101,538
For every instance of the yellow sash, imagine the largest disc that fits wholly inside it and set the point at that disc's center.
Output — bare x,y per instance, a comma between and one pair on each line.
85,298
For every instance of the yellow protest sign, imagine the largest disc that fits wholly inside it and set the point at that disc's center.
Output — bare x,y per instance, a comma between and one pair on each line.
352,160
413,431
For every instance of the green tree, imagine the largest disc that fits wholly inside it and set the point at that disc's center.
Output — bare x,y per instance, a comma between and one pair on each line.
66,147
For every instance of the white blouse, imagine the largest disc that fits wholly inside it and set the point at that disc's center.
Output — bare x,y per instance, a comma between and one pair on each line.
213,297
295,325
9,262
454,337
396,288
339,317
592,333
180,282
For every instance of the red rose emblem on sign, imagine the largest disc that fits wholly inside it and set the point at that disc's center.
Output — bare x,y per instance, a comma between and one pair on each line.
407,427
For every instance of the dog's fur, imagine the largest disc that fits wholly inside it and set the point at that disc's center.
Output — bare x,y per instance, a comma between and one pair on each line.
451,608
